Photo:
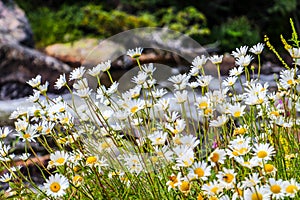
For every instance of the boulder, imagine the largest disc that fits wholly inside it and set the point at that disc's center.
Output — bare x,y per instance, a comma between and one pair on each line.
14,26
18,64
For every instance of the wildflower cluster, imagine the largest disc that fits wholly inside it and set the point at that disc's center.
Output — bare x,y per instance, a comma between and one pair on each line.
148,143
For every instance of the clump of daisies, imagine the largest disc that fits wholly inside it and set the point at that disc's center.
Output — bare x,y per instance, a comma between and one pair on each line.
148,143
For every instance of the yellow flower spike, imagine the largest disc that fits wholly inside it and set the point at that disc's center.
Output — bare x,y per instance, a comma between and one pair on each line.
267,41
284,42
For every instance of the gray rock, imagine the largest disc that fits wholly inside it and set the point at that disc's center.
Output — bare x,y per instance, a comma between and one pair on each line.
14,26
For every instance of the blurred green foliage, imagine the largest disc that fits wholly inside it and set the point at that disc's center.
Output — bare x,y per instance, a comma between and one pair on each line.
237,31
228,22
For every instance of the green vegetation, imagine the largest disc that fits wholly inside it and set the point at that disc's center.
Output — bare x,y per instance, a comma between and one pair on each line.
229,23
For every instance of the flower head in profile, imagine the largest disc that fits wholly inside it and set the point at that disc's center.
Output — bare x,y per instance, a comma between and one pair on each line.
35,82
56,185
242,51
104,66
257,49
216,59
244,60
77,73
135,53
58,158
199,62
61,81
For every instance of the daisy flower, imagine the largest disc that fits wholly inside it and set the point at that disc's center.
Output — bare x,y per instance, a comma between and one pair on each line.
291,188
189,141
276,189
61,82
237,71
220,121
212,188
149,69
216,59
135,105
59,158
77,73
263,151
35,82
227,177
24,156
56,185
199,62
257,49
202,102
251,181
242,51
4,131
158,137
204,80
173,181
5,178
140,78
194,71
135,53
269,168
184,185
287,78
104,66
257,193
237,110
199,170
181,97
230,81
294,52
185,160
217,156
244,60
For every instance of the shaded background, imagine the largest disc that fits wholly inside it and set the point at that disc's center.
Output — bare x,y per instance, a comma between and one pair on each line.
226,24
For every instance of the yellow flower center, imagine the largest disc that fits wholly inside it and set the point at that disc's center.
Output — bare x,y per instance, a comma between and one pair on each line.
134,109
60,161
291,189
207,111
237,114
275,189
199,197
55,187
26,136
228,178
269,167
65,120
135,95
39,128
214,190
203,105
239,192
215,157
154,159
199,172
275,113
91,160
77,178
62,109
158,140
256,196
262,154
290,82
105,145
185,186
